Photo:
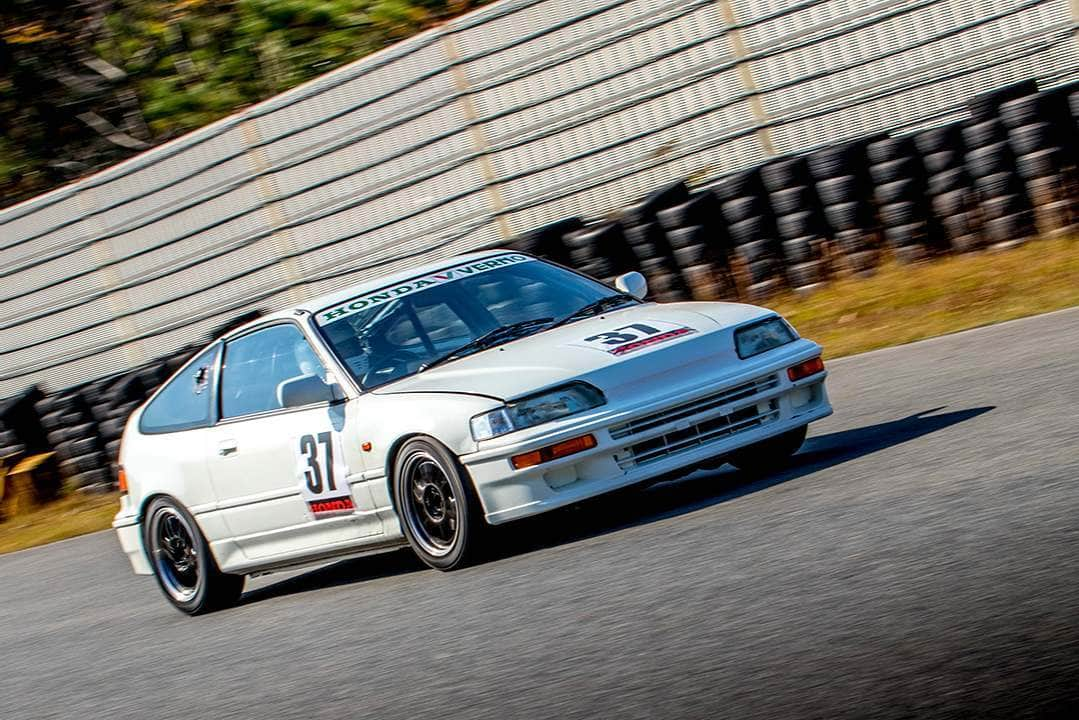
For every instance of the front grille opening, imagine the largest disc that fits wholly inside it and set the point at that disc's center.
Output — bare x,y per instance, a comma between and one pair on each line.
699,406
701,433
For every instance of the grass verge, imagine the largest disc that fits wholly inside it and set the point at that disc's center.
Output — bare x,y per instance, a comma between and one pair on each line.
896,305
904,303
74,514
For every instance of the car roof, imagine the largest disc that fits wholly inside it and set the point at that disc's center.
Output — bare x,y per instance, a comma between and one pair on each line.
335,298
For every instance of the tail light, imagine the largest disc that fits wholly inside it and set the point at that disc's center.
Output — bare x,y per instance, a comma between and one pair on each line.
805,369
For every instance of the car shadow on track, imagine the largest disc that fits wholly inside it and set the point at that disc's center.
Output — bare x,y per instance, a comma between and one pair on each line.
627,508
611,513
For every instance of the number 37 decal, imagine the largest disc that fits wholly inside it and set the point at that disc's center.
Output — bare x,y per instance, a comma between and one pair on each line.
635,336
322,474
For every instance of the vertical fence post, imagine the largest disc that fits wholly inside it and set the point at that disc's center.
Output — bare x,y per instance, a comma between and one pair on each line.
479,138
745,74
271,209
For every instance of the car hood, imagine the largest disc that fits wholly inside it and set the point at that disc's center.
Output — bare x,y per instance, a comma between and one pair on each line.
625,352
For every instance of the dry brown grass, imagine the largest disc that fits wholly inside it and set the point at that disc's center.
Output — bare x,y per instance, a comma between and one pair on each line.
71,515
904,303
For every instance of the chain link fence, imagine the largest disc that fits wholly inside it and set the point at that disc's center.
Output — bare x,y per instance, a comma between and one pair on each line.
521,113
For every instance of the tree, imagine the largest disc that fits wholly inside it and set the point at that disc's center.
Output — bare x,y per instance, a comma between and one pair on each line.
86,83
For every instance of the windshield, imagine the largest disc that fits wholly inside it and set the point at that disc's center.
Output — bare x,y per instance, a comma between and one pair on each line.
400,330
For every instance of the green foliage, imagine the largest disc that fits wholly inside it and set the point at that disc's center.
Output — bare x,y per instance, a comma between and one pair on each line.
185,63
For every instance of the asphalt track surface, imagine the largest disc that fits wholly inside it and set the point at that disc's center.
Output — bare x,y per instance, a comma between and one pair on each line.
920,559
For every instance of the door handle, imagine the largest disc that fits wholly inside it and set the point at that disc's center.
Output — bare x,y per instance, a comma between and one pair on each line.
226,448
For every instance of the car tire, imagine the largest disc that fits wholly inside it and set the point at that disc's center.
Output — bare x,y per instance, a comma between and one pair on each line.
751,252
691,255
748,230
1002,206
741,209
898,191
746,183
894,170
797,225
439,512
888,149
939,139
1025,110
791,200
942,161
997,184
951,203
769,455
980,134
948,181
1031,138
837,160
182,562
799,250
851,242
784,173
838,190
990,159
900,213
1042,163
807,274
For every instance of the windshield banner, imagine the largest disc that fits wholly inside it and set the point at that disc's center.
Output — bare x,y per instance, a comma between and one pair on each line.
441,277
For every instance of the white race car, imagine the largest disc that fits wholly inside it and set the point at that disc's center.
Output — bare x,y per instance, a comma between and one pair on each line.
427,406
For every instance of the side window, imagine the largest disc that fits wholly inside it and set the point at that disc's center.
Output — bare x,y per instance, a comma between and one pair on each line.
185,402
257,364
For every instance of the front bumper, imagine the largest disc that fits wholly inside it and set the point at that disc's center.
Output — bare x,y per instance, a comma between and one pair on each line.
650,439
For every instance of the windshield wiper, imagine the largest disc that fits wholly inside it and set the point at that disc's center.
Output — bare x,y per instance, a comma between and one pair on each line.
607,302
489,339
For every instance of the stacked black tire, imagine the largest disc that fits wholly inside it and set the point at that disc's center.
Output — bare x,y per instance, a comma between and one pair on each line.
1005,211
20,428
1040,133
22,434
799,220
700,244
841,178
650,246
600,251
74,433
117,399
84,425
901,192
548,241
950,188
755,251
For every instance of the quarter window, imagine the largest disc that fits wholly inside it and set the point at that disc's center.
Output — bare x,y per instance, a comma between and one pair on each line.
256,365
185,402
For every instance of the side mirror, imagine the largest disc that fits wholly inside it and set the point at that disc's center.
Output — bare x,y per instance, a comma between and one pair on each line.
632,283
306,390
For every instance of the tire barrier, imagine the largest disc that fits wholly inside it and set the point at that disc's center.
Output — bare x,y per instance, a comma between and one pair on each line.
1002,175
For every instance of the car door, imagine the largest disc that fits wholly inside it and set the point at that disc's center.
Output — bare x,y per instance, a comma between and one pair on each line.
281,464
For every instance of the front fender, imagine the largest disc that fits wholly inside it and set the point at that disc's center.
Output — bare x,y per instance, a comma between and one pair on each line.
385,421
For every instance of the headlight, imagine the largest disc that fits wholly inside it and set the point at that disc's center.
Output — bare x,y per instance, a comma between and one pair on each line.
536,410
762,336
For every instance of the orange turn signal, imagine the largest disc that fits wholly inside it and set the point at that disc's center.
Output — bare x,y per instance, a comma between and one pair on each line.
121,479
553,452
805,369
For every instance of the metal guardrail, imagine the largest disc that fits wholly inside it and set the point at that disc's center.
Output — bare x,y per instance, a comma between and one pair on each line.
520,113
